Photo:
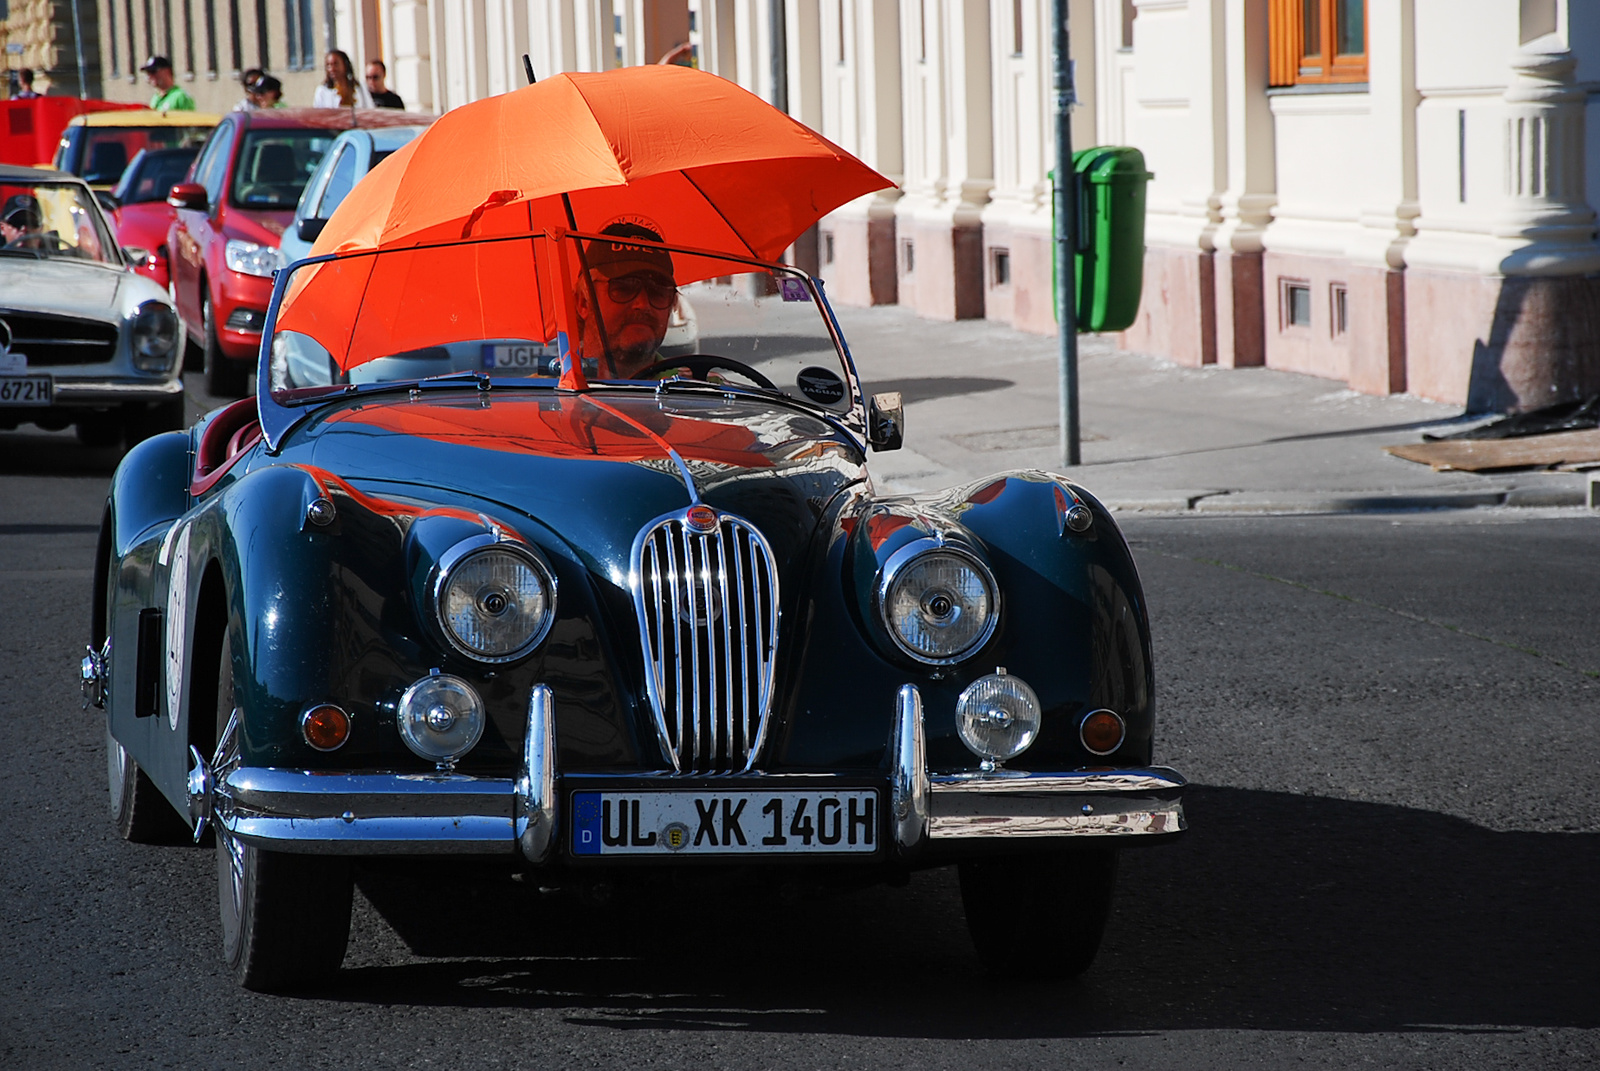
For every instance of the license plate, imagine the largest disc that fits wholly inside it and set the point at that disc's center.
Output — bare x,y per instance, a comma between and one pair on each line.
531,357
26,390
725,823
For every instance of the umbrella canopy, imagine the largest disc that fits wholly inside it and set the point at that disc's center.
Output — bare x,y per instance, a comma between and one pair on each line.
686,154
710,164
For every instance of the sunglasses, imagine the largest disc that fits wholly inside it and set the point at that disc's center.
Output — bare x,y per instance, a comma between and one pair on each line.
624,288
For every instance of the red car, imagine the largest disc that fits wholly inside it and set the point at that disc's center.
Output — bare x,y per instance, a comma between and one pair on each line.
140,215
230,214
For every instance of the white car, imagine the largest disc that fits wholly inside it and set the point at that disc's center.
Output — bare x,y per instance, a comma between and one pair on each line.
84,340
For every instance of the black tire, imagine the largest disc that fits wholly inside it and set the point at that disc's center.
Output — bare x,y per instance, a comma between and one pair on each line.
225,377
285,918
155,418
100,430
141,813
1039,916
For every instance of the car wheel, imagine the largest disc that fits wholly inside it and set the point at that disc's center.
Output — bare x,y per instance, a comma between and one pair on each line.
225,377
155,418
1039,916
100,430
141,812
285,918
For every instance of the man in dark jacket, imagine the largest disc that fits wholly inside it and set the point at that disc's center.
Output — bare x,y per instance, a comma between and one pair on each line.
382,95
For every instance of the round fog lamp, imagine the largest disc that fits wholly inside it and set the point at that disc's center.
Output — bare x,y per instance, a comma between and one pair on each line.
325,726
997,717
1102,731
440,718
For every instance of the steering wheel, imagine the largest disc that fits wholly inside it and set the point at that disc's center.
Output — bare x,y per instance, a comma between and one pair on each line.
701,365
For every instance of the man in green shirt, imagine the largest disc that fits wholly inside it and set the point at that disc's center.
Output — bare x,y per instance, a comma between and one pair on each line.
169,96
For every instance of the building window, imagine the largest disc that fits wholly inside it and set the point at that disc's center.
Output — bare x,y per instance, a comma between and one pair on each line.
111,25
264,57
1016,27
827,247
302,51
908,256
1294,303
236,49
999,267
1129,13
1318,42
211,38
133,45
1338,309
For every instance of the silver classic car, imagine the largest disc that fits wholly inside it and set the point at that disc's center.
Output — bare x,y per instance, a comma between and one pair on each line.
84,340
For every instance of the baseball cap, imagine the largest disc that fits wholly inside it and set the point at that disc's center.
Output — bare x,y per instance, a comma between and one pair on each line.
155,63
617,258
265,83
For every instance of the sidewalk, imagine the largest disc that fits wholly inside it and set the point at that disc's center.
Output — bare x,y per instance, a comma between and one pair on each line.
981,397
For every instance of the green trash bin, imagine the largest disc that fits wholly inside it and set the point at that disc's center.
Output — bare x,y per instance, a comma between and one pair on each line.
1110,256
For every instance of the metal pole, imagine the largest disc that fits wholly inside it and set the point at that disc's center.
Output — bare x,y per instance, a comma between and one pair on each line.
77,40
1066,237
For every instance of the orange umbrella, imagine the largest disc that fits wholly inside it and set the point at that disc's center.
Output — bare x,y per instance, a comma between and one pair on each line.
712,164
689,155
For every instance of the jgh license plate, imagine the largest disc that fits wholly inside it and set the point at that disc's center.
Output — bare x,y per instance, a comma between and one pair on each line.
725,823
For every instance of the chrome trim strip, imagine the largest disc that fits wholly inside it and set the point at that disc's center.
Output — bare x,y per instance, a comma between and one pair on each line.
1143,801
908,774
307,794
536,783
390,835
67,390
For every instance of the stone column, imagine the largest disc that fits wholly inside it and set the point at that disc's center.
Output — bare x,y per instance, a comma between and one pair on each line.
949,163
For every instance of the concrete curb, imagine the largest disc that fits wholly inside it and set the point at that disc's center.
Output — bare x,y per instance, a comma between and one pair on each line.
1225,502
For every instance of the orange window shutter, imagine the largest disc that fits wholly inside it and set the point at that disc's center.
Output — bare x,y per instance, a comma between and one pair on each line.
1284,36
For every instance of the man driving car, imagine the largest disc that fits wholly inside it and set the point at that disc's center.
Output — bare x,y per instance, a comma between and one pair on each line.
636,292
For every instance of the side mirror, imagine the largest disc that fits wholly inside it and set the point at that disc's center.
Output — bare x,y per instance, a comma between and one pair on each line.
188,195
308,229
137,257
886,421
108,202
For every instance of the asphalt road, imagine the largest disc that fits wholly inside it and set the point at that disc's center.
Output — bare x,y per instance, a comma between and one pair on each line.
1391,724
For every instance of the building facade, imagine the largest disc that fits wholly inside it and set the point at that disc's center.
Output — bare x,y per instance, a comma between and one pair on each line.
1394,194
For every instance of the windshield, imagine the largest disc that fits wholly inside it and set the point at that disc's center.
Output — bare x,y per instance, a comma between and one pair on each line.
152,174
273,166
54,219
502,307
105,151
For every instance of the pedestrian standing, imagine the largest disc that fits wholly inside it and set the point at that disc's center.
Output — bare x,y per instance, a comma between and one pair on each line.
339,88
382,95
248,102
267,92
169,96
25,77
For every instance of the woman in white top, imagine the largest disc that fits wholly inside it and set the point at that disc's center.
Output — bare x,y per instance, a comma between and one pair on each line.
339,89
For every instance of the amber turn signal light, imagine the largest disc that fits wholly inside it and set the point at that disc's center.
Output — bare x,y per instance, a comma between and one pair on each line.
1102,731
325,726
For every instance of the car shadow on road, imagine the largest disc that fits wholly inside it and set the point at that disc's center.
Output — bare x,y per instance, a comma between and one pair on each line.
29,452
1276,911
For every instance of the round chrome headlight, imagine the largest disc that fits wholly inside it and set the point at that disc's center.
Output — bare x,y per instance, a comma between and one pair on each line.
440,718
939,603
997,717
494,601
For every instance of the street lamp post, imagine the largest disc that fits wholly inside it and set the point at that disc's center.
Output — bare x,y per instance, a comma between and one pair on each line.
1066,237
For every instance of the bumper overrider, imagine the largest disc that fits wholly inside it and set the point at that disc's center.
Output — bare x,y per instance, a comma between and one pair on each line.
318,812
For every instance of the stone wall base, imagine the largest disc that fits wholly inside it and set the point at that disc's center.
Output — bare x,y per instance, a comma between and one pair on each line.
940,266
1177,313
1026,301
1492,343
860,269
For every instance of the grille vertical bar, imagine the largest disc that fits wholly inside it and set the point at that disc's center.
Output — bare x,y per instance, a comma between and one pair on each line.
708,621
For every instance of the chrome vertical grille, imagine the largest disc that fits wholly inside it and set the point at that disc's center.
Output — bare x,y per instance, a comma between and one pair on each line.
708,621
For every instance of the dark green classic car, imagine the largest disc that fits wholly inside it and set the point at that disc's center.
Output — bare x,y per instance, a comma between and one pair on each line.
447,586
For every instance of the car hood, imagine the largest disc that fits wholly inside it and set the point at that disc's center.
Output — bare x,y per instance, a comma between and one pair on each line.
62,286
595,468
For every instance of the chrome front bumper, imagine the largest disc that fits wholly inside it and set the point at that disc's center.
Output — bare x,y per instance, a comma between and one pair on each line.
447,813
85,392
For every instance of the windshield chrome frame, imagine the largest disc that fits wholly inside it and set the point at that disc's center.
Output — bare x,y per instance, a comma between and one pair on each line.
108,239
277,419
